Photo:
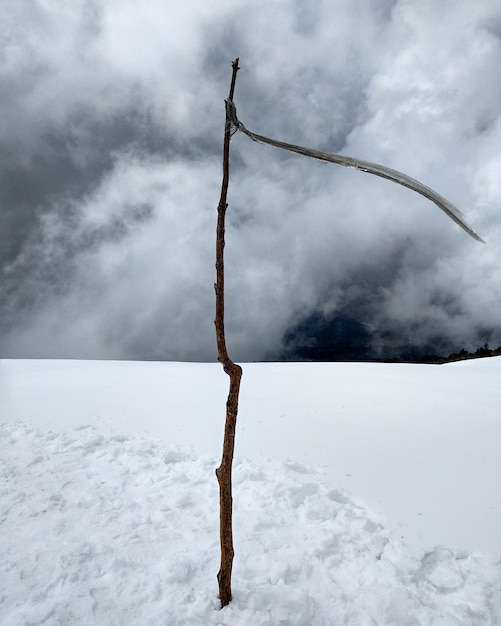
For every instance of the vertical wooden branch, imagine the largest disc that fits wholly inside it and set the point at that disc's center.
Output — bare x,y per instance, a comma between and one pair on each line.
234,371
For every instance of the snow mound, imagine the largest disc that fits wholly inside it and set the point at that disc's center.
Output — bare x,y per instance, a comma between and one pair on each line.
123,530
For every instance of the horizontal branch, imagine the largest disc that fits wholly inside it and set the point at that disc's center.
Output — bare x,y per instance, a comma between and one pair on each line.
364,166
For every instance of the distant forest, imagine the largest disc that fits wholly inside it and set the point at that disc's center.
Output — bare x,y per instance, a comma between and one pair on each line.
344,338
462,355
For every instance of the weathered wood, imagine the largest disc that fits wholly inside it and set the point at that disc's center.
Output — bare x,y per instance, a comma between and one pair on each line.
223,472
364,166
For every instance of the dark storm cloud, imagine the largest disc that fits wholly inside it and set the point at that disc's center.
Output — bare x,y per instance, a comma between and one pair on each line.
111,147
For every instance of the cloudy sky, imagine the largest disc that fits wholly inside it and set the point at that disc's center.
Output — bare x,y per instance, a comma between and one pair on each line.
112,115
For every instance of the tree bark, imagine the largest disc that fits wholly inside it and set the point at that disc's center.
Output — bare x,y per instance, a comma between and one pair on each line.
234,371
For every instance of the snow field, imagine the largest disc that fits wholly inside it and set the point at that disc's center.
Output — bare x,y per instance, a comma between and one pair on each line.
109,529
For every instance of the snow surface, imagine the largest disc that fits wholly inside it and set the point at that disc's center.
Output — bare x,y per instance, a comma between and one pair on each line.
109,503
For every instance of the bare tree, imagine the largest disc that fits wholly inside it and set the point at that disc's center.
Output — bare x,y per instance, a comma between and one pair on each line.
234,371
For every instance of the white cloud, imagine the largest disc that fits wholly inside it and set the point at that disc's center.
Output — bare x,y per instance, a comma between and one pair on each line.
130,97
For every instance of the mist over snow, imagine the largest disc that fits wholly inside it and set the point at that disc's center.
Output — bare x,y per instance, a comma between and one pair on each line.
111,141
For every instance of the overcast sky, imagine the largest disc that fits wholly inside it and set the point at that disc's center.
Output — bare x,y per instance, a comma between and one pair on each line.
112,116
